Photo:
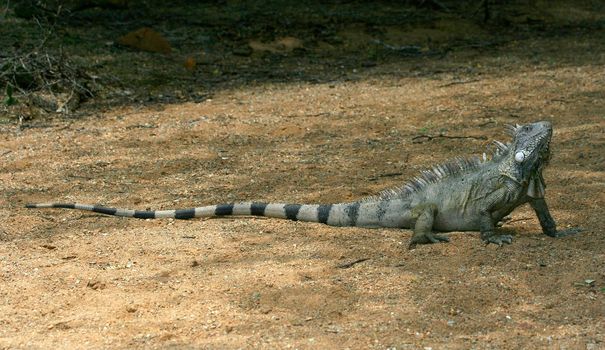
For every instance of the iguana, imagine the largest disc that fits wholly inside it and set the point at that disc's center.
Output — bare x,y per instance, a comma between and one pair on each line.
464,194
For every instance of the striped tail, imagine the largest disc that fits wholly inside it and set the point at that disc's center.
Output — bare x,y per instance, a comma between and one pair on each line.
344,214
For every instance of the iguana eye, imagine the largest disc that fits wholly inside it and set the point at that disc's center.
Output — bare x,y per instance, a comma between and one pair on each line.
519,157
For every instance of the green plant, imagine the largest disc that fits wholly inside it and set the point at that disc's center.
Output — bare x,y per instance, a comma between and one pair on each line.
9,100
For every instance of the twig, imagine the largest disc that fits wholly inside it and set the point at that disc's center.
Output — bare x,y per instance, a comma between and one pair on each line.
403,49
352,263
379,176
390,174
484,5
424,138
308,115
457,82
38,73
435,5
514,220
487,123
6,9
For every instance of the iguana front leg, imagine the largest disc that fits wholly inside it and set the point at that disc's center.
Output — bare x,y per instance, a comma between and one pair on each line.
549,227
488,234
486,221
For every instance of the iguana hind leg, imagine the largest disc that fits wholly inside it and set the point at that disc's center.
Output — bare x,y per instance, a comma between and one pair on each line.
423,229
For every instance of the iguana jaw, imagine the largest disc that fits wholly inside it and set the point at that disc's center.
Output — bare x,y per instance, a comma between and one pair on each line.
532,141
530,153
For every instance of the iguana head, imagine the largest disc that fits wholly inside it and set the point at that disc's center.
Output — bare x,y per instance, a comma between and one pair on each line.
528,153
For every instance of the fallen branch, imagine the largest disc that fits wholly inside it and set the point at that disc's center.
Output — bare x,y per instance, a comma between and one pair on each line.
352,263
390,174
511,220
434,5
458,82
425,138
49,80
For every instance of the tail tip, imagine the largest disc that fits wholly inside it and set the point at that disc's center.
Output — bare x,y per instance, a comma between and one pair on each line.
30,205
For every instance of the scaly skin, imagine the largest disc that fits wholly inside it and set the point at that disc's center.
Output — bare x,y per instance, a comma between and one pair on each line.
514,177
460,195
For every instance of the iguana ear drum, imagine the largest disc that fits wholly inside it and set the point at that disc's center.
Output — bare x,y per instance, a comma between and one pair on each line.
519,157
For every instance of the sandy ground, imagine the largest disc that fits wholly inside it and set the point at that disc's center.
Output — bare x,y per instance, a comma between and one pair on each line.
78,280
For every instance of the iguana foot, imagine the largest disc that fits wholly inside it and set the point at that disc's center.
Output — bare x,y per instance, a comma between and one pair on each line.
565,233
438,238
427,239
497,239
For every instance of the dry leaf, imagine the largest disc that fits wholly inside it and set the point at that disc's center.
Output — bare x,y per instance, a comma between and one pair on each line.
190,64
146,39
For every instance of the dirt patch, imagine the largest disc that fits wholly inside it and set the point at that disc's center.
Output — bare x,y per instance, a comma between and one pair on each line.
73,279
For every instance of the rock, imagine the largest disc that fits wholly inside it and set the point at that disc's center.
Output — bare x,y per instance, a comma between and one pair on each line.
280,45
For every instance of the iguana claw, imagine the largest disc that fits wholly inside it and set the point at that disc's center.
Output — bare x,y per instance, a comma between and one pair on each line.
567,232
433,238
499,239
438,238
